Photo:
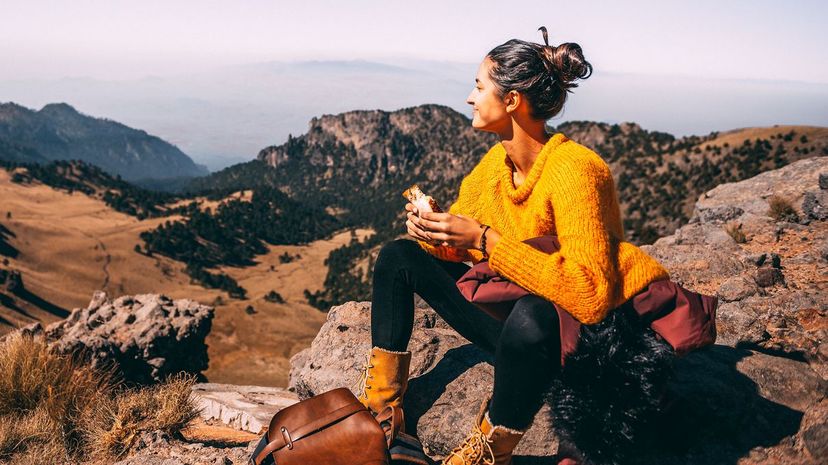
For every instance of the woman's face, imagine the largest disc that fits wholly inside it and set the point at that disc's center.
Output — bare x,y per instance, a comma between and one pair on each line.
489,110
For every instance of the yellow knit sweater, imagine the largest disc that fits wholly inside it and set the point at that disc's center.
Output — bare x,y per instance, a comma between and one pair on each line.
569,192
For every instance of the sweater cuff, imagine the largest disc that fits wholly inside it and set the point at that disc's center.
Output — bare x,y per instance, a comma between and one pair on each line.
516,260
449,254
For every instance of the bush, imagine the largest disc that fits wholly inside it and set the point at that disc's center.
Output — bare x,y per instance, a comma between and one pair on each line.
55,408
118,420
274,297
734,230
781,209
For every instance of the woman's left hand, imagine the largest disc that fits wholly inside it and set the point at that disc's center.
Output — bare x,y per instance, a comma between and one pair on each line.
451,230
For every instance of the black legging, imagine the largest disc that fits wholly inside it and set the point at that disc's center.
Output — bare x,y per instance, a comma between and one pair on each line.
526,346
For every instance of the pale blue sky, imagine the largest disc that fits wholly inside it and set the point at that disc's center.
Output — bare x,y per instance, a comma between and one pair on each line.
118,39
211,76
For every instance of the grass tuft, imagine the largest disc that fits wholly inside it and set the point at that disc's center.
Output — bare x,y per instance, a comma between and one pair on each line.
780,209
734,230
55,408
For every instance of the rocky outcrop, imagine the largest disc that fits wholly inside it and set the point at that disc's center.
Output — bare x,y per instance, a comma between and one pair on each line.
773,286
758,396
159,448
144,337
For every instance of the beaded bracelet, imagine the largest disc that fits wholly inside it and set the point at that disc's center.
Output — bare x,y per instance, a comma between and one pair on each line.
485,228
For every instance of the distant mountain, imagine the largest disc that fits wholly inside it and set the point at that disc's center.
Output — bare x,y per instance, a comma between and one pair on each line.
349,169
359,162
59,132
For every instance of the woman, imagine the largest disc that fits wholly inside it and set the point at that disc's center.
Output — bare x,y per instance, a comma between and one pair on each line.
529,184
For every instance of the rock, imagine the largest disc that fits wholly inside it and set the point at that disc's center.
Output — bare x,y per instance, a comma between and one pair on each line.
701,263
815,205
737,288
144,336
450,376
720,214
248,408
771,258
792,182
726,401
823,180
767,276
156,448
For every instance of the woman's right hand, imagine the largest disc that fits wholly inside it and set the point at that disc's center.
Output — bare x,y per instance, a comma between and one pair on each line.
414,230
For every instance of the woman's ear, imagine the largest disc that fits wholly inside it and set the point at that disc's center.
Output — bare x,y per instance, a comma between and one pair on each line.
512,100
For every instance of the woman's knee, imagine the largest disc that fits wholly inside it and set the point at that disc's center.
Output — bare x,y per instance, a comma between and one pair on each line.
532,325
395,253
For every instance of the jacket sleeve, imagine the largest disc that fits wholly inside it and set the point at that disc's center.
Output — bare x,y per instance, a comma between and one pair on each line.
580,277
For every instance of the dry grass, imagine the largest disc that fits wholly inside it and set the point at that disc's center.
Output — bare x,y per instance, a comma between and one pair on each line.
31,438
781,209
55,409
734,230
115,423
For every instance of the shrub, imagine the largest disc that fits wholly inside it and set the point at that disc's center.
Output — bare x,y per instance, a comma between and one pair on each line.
781,209
115,423
274,297
55,408
734,230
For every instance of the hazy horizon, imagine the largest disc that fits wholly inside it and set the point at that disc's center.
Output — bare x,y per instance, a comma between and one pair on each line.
223,79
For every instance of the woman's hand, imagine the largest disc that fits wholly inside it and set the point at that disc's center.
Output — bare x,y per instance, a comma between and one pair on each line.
414,229
445,228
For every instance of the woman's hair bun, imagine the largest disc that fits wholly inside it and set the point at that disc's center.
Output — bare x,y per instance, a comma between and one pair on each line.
565,63
543,73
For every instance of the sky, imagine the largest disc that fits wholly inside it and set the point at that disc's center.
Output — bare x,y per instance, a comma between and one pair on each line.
221,79
120,39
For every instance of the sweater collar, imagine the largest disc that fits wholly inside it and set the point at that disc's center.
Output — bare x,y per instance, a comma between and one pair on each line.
521,193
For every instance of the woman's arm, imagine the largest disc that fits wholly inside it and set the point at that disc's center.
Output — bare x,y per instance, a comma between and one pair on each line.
581,277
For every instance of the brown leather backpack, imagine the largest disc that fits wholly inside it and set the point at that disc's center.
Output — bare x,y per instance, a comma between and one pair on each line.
332,428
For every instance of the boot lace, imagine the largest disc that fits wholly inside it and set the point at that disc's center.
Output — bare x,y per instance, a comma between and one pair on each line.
475,449
362,383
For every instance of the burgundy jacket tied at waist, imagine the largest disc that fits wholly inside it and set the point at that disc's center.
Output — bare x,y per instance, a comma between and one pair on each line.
684,319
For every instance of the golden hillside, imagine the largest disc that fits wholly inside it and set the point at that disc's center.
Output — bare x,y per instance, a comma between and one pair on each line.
71,245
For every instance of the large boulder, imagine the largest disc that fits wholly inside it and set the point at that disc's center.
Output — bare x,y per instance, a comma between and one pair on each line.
758,396
144,338
773,288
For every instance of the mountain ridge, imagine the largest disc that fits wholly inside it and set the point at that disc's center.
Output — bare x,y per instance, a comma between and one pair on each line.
59,132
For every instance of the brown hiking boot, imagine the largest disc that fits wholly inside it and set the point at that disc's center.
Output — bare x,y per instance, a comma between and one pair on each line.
486,444
384,379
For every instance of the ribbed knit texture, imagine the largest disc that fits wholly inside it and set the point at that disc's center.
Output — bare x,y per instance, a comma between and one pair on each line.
569,192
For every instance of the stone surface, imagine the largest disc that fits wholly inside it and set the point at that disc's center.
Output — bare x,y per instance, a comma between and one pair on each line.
758,396
787,309
247,408
728,402
158,448
146,337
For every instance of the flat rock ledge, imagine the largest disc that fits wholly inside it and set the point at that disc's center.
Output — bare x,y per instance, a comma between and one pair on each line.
247,408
